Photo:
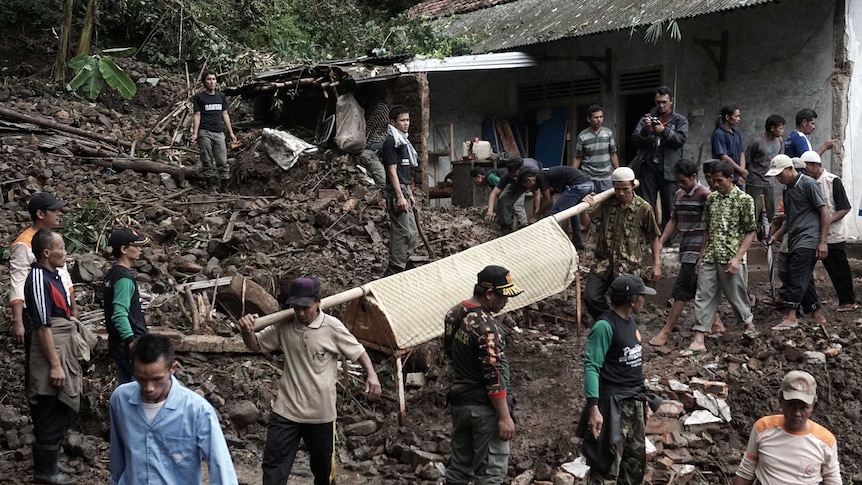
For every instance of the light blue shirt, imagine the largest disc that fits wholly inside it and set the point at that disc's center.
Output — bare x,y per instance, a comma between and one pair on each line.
169,449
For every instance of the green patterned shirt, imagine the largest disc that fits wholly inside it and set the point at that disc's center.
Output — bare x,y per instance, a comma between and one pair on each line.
622,235
727,219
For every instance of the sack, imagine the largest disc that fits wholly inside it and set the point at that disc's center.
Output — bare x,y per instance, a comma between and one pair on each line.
83,340
349,124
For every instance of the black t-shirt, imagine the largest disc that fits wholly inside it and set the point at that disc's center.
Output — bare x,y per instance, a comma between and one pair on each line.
528,163
558,179
400,158
210,107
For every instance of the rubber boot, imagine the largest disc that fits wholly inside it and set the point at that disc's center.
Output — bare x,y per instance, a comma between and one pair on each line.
391,269
224,185
45,459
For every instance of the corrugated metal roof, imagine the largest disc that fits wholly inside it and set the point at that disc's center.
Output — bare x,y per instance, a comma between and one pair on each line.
526,22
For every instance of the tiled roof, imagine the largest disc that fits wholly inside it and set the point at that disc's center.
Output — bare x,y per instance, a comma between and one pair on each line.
510,24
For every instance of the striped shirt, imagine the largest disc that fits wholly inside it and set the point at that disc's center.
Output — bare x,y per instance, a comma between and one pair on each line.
776,456
688,207
45,296
595,150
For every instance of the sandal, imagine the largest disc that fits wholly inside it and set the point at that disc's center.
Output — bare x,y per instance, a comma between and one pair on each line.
783,327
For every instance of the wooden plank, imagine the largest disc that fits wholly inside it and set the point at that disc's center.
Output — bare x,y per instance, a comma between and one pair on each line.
228,233
205,344
399,384
199,285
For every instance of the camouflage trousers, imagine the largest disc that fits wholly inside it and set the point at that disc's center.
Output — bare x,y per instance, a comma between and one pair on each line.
630,461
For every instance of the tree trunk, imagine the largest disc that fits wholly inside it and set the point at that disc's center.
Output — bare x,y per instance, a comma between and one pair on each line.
87,30
63,51
13,114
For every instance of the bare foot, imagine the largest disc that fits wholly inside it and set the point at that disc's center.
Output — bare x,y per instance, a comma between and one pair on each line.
818,317
718,326
660,339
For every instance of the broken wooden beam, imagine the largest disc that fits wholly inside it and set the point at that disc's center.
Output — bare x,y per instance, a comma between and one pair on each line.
13,114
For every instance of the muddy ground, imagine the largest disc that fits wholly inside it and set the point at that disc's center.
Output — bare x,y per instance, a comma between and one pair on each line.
286,229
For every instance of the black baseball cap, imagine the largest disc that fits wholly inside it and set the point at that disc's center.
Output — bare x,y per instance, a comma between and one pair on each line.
45,201
630,285
498,279
304,291
126,236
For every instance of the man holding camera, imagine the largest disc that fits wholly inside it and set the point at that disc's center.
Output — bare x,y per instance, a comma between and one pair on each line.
659,136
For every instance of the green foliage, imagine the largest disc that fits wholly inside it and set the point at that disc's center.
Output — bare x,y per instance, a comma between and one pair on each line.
23,14
93,71
220,32
84,228
655,31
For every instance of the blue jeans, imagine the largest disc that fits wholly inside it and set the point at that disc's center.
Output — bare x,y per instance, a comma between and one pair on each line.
569,198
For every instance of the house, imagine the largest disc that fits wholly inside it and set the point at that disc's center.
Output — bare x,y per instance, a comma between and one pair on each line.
766,56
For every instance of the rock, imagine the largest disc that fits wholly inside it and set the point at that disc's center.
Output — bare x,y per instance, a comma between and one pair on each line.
415,379
362,428
716,388
419,457
544,471
671,408
525,478
432,471
444,446
12,440
661,426
678,455
792,354
814,357
563,478
78,445
10,418
243,413
523,466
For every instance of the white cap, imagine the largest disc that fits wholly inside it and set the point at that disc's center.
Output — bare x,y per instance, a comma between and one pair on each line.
811,157
779,163
623,174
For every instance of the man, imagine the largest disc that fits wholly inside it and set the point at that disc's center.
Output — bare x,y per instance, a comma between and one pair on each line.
305,406
54,385
482,423
797,142
398,157
758,155
160,429
660,137
506,196
807,229
728,219
625,225
124,317
790,447
596,150
727,143
571,183
613,421
45,212
687,216
838,206
491,178
210,121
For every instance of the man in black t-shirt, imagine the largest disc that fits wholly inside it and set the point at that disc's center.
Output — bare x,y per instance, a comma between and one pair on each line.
571,183
210,121
398,157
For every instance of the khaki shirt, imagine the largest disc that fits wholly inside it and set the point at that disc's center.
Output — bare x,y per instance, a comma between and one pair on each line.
306,391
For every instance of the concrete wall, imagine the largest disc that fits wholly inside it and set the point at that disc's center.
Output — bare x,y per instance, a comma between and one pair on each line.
851,144
779,60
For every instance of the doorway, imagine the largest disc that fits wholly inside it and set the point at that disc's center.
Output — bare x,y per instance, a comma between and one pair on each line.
634,107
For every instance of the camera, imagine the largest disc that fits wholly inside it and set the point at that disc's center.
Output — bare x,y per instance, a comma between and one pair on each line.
653,120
